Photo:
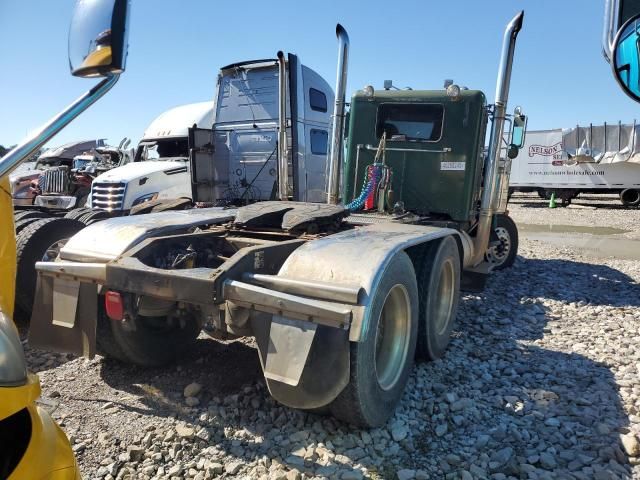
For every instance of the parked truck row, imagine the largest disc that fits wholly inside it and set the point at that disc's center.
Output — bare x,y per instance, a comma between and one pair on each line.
339,296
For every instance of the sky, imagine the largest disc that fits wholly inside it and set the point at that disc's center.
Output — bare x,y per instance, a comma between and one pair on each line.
560,77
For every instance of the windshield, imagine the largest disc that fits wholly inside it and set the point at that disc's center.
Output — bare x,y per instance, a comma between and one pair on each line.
158,150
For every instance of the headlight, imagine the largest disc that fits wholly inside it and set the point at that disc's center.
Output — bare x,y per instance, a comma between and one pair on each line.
453,91
13,368
145,198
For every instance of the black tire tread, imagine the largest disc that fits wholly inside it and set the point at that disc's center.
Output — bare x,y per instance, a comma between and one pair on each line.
507,222
93,216
428,256
76,213
31,243
349,406
24,223
138,348
24,214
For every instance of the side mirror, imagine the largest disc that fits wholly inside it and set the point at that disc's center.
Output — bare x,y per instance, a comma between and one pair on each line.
98,38
519,130
626,58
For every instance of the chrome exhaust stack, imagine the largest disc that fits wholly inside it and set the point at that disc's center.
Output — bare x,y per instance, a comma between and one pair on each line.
490,190
609,30
337,128
283,149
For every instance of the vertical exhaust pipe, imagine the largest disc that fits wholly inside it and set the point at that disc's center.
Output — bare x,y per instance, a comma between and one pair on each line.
491,174
609,30
283,149
337,128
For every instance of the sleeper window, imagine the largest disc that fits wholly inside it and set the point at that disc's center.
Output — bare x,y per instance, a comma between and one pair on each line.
418,122
319,140
317,100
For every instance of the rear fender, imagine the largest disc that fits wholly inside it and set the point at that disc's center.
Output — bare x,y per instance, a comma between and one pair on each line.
355,257
359,257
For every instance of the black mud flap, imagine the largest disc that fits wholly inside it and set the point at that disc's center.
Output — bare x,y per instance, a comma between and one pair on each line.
325,373
80,339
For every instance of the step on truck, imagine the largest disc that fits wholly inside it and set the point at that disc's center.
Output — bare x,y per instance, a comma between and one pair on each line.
340,296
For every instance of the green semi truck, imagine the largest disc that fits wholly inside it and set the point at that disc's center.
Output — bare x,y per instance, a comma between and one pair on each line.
339,296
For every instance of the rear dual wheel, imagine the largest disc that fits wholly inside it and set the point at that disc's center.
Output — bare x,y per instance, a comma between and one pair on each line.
400,319
440,280
145,341
382,361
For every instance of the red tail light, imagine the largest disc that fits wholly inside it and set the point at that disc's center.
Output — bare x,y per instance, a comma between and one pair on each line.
113,305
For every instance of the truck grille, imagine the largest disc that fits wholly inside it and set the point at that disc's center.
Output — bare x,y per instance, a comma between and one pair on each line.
107,196
54,180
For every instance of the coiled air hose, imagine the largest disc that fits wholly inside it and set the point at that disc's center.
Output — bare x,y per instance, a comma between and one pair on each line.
369,185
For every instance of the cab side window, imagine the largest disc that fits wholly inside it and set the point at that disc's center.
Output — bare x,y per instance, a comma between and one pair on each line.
319,140
317,100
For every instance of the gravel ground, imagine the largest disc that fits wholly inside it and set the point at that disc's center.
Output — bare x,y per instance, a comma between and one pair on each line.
540,381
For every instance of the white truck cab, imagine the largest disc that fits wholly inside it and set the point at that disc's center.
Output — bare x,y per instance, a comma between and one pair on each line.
160,168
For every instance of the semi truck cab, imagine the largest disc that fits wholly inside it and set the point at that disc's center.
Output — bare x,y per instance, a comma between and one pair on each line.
160,168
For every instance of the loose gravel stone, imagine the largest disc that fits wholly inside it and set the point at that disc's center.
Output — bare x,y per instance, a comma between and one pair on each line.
192,389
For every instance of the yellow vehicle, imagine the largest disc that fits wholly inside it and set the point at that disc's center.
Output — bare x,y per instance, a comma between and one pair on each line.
32,445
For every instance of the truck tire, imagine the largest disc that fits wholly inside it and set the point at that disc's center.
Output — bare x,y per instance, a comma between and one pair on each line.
630,197
380,364
439,284
105,341
39,241
146,341
24,223
93,216
175,204
24,214
502,256
161,206
144,208
76,213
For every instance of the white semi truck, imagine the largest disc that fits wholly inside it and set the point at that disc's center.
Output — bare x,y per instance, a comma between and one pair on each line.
160,168
567,162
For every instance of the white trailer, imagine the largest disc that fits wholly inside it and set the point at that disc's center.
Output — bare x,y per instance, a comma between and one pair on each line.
567,162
